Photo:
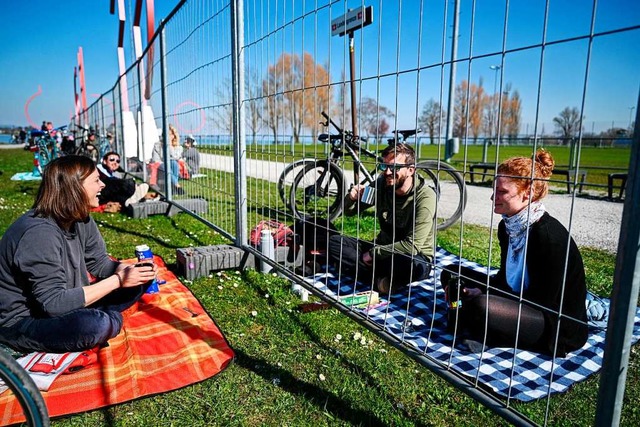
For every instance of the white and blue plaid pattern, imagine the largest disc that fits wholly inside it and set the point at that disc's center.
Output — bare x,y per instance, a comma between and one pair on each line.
417,317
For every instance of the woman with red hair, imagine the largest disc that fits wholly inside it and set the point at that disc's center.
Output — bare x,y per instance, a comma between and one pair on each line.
537,299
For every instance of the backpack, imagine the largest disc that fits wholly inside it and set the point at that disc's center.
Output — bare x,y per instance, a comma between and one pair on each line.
281,233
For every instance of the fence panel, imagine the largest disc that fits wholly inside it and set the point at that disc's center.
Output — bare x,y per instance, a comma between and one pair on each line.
522,79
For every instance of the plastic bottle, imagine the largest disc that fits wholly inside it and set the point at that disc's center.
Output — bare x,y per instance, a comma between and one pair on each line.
267,249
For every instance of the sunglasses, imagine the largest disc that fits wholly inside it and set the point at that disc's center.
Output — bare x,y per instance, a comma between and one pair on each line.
113,159
394,167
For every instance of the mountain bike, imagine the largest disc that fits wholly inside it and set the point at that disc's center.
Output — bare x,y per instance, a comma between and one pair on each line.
320,185
24,390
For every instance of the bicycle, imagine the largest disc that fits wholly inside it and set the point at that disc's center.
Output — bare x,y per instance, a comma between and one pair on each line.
24,389
320,187
45,147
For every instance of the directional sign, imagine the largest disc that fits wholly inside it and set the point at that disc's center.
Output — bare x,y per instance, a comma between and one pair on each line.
352,20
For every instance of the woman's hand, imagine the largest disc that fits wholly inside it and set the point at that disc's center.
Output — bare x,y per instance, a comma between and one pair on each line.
471,292
137,274
465,293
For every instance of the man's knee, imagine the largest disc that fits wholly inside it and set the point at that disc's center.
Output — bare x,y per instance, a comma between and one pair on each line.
335,247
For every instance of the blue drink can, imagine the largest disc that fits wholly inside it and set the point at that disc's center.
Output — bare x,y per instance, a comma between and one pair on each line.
144,254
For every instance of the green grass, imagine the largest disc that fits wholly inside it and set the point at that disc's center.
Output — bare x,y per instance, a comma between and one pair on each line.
290,368
598,161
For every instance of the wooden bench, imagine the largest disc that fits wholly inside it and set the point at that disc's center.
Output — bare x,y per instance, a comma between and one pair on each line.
623,183
485,168
569,174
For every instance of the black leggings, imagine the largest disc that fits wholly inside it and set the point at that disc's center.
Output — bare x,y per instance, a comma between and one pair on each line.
496,314
346,252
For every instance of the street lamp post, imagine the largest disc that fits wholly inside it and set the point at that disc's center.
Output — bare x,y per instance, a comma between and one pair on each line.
494,119
631,115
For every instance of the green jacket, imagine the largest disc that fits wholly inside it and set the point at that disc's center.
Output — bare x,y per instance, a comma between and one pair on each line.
406,222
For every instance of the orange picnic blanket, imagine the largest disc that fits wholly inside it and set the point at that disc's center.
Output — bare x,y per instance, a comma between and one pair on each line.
168,341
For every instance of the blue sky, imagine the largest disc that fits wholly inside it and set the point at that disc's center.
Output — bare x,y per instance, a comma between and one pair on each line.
40,41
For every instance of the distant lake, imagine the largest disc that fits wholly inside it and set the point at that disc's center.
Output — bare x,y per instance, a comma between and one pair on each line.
5,139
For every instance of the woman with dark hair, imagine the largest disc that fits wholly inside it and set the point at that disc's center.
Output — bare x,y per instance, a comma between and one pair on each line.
537,299
46,301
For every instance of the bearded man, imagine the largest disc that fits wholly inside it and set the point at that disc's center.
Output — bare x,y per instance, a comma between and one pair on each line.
403,250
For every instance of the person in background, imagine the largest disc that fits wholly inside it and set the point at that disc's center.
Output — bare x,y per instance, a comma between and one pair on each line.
46,301
157,161
91,150
191,155
117,189
539,262
175,154
405,208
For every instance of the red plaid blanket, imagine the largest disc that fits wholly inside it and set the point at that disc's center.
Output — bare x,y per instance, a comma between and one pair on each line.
168,341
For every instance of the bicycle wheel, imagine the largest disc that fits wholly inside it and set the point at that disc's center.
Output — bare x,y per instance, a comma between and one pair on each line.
24,389
318,191
450,189
288,176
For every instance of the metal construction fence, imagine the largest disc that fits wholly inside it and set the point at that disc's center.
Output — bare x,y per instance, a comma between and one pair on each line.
239,76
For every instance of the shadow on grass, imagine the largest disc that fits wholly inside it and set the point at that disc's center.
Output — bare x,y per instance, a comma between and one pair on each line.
331,403
323,399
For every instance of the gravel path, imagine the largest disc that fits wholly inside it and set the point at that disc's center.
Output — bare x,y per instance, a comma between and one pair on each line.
595,223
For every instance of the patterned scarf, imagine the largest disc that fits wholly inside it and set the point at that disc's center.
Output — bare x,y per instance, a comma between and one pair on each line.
518,224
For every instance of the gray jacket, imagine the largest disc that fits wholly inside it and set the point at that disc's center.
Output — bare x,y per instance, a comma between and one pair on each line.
43,267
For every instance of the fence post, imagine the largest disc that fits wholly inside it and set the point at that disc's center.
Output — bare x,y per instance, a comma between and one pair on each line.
626,282
117,138
121,114
165,120
239,146
141,141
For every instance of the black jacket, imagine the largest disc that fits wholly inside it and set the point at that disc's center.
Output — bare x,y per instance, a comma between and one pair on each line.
545,260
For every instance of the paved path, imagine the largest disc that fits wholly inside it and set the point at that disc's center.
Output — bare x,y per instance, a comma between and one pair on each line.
592,222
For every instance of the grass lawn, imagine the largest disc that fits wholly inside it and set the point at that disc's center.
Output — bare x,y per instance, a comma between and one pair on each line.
291,368
599,162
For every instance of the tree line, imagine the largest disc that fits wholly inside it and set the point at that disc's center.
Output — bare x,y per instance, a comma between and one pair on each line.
295,90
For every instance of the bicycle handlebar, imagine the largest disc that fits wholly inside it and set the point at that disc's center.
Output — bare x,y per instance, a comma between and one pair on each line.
342,134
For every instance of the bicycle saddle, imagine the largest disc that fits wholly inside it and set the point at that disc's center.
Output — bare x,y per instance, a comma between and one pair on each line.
324,137
407,133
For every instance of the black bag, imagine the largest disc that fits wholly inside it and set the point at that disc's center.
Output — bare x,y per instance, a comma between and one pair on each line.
313,234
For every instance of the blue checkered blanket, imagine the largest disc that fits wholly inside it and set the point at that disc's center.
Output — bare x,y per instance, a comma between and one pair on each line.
416,316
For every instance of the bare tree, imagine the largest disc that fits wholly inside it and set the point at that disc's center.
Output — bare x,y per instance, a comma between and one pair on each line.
222,113
253,92
477,100
460,110
370,116
469,104
297,89
568,123
511,115
383,127
431,119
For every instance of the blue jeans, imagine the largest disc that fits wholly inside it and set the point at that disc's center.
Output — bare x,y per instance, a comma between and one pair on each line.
76,330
